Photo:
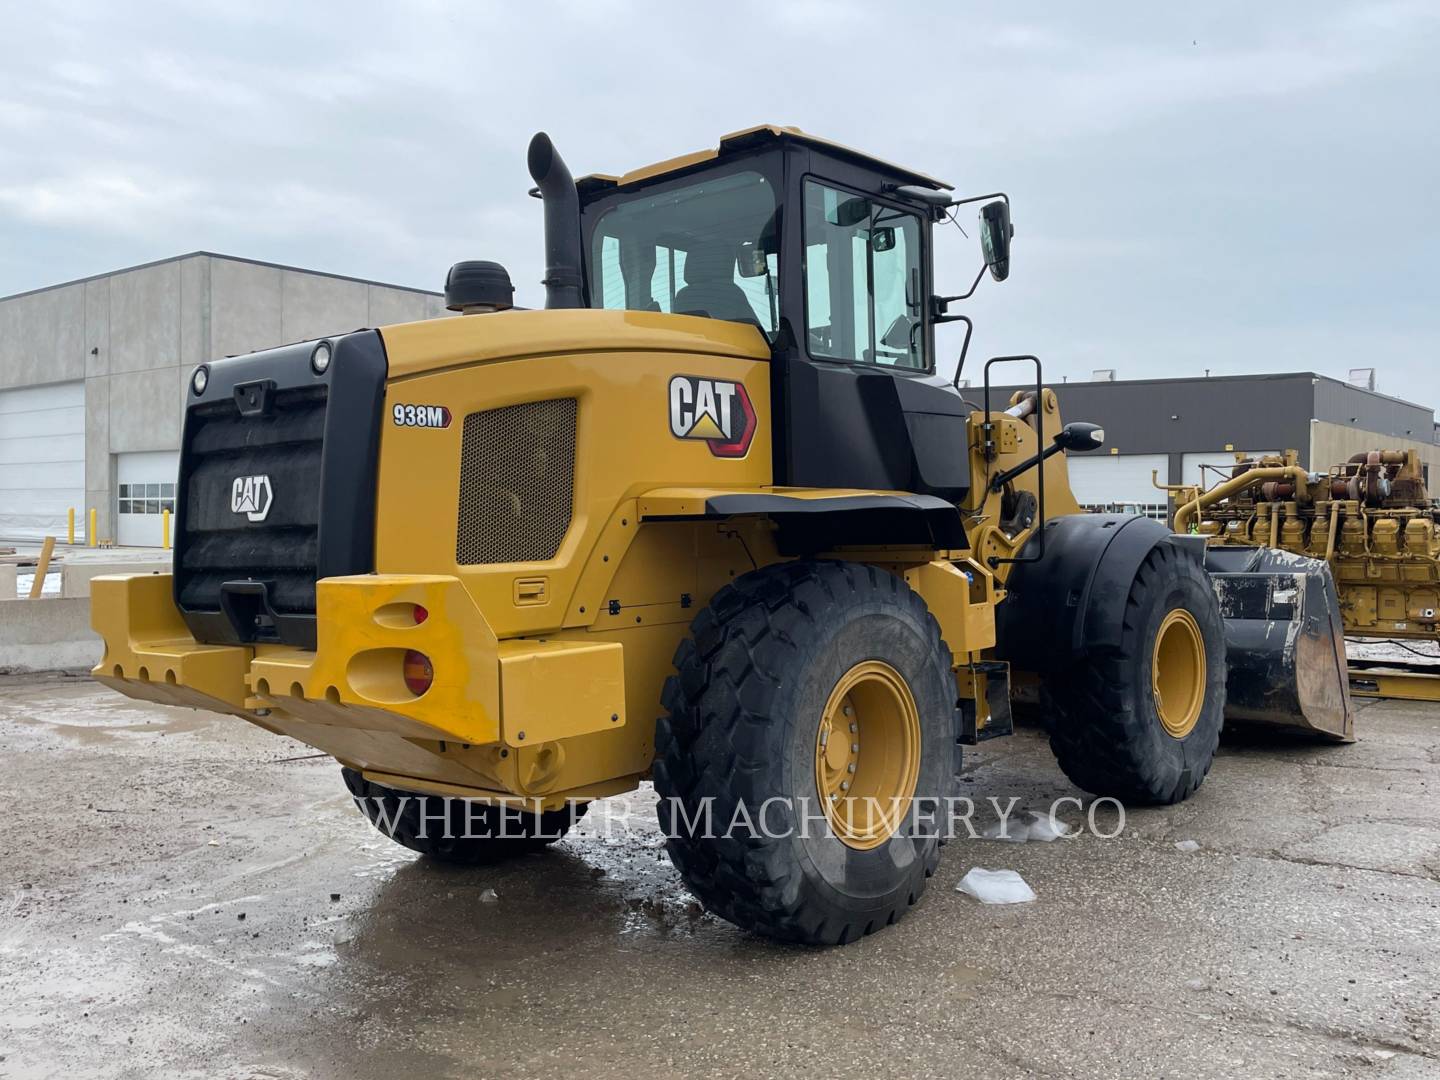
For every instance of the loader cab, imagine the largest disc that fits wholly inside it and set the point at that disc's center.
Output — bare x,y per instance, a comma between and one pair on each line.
811,243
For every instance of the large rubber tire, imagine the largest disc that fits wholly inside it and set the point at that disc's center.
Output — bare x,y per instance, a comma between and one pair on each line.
488,841
752,682
1106,730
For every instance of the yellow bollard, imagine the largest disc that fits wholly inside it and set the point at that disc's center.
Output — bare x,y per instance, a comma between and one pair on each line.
70,526
165,528
91,537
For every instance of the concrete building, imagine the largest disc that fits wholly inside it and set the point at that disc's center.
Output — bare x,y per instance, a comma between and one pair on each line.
1174,427
93,376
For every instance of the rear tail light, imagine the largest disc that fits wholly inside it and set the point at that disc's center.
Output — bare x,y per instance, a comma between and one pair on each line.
420,614
418,672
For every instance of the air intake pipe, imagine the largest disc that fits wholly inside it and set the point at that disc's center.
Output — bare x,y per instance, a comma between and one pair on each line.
564,282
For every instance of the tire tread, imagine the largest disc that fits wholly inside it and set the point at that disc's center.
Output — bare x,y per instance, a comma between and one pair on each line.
715,740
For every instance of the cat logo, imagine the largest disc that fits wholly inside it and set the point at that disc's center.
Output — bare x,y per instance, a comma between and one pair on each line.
712,410
251,496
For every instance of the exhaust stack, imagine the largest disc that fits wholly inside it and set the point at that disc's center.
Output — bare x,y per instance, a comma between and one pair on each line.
564,283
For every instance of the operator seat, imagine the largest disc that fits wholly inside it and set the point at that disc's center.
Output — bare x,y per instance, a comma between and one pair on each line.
710,288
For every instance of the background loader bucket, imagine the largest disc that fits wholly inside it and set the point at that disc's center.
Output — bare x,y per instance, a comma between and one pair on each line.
1284,639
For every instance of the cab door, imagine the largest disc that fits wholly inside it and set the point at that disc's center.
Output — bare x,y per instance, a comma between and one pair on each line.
862,404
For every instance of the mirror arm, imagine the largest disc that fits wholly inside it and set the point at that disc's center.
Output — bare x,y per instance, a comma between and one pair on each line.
942,301
1001,479
982,198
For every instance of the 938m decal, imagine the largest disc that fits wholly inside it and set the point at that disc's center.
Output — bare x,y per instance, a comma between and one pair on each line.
715,411
431,416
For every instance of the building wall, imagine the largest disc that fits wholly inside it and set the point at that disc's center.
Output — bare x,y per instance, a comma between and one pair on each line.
1340,403
1186,421
1331,444
1180,416
135,335
1248,412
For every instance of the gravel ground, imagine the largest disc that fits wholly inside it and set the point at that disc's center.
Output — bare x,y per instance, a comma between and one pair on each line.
184,895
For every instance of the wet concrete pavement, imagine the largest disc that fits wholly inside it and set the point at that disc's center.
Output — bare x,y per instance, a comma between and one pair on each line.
183,895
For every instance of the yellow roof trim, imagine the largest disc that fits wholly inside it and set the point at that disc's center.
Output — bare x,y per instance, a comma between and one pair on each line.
684,161
805,136
672,165
773,129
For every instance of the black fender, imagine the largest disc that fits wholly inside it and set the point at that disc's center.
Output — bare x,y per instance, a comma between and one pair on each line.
809,525
1072,599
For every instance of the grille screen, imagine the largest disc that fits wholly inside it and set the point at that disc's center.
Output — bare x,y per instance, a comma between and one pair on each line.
215,544
517,482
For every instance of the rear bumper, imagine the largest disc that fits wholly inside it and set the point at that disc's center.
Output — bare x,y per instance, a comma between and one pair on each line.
490,721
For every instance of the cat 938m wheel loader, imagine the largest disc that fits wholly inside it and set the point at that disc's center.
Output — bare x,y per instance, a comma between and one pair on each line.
711,517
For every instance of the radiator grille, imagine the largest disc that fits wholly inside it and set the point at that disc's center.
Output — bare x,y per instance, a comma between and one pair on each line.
517,482
215,544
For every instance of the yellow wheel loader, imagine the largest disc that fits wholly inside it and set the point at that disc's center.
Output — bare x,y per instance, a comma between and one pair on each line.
712,517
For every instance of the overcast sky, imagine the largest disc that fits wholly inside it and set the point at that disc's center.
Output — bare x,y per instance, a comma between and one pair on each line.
1234,186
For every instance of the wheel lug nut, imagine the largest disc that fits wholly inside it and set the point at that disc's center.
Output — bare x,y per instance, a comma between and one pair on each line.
855,748
844,785
853,727
851,767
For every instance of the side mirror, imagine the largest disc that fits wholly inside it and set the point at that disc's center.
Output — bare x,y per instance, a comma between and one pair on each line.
1079,436
883,238
995,234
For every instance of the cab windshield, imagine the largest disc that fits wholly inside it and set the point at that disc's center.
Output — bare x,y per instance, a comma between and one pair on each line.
707,248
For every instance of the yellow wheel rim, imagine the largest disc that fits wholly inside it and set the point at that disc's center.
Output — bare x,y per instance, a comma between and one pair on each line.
867,754
1177,673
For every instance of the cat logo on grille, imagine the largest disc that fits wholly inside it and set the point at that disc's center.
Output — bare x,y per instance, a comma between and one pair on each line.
717,412
251,496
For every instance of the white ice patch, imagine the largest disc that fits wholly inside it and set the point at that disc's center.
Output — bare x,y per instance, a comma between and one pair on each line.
1011,832
1045,828
996,887
1030,825
1187,845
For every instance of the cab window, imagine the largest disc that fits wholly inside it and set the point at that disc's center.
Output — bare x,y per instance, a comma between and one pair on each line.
707,248
863,300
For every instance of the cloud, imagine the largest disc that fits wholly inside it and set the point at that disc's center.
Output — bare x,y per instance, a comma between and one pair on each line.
103,201
1193,185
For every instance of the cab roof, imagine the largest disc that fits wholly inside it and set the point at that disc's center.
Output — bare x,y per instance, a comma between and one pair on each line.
748,139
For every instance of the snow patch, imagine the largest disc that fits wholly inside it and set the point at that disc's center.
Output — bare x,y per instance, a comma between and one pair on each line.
996,887
1032,825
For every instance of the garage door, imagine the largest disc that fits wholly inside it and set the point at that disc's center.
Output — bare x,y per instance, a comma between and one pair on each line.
1120,481
1217,466
145,489
42,460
